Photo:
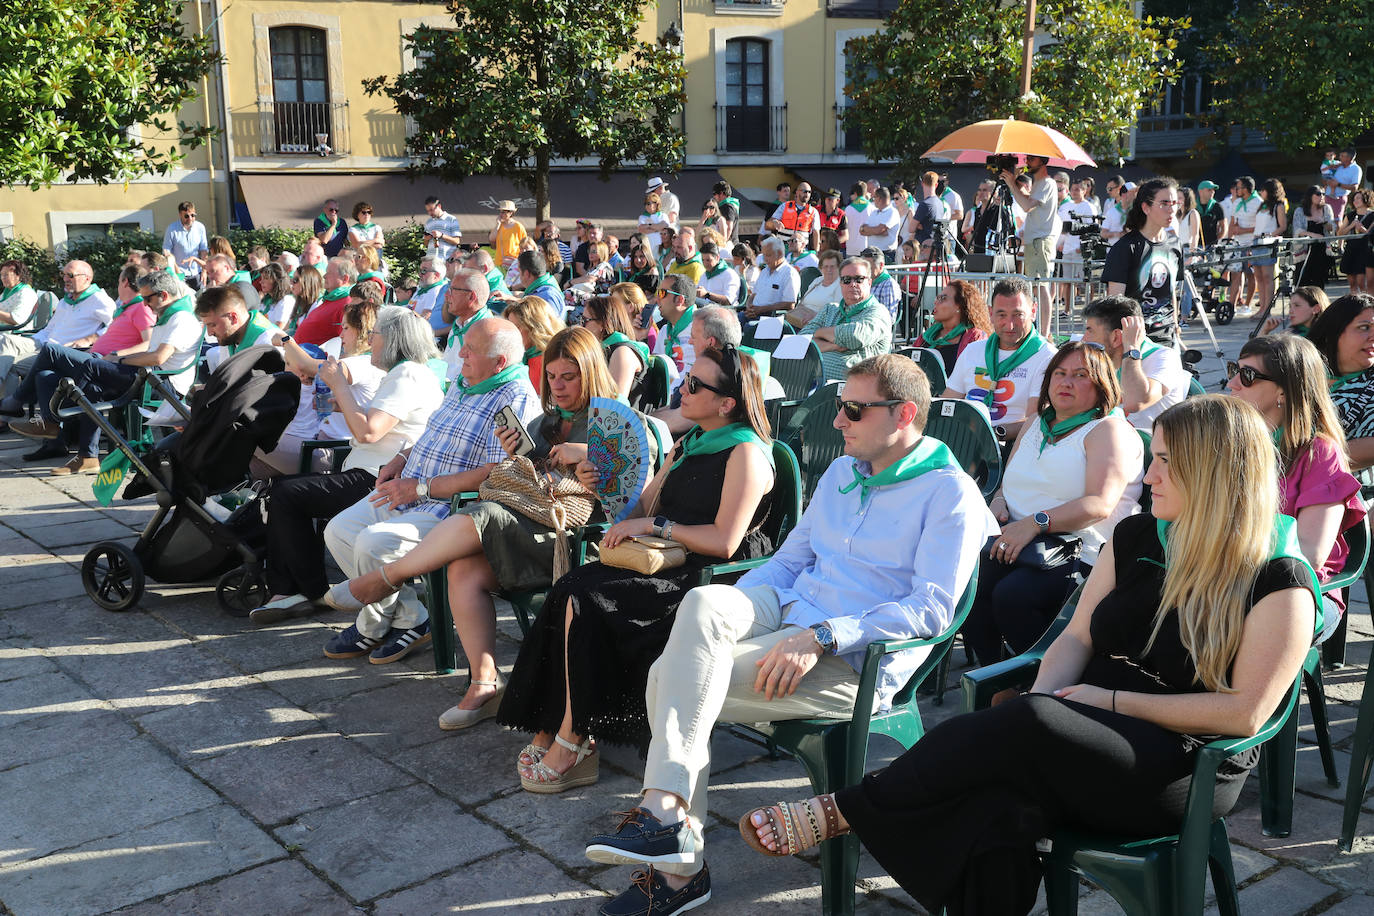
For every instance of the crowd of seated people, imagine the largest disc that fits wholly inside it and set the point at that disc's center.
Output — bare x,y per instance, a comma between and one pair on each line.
481,368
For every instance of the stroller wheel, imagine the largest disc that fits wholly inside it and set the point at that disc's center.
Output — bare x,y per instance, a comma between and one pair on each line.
1225,312
242,589
112,575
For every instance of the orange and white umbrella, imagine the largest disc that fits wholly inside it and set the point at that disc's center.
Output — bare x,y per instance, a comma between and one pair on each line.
1009,136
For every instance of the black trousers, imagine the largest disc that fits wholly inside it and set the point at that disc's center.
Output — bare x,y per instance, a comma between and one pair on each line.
295,547
955,819
1015,604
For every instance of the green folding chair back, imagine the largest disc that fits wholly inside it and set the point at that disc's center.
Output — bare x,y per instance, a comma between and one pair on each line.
1195,387
799,377
658,382
809,429
967,431
931,364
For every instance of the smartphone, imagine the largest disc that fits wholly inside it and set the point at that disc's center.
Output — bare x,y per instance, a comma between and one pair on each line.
506,417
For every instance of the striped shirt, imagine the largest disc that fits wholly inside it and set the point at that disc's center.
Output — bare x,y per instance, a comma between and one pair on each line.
459,436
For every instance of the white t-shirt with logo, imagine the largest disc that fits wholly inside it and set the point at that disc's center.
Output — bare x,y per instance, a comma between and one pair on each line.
1012,393
1162,365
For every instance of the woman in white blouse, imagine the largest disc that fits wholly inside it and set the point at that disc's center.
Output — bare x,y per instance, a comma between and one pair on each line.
823,290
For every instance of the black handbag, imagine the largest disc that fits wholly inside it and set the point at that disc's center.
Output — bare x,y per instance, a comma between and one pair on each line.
1047,551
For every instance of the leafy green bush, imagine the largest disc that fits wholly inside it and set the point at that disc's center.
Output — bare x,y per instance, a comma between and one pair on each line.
45,270
274,238
107,254
405,247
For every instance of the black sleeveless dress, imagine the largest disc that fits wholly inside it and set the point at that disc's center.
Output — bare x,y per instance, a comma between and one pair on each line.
636,395
621,622
955,819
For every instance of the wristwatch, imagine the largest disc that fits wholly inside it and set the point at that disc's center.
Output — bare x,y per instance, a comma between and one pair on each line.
1000,432
422,489
1133,353
659,522
825,637
1042,518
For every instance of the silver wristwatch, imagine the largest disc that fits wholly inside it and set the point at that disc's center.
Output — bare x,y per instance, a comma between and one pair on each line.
422,489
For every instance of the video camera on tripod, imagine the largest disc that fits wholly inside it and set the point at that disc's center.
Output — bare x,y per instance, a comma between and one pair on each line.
1089,232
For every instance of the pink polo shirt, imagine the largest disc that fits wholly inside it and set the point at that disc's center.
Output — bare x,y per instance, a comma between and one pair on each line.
1317,479
126,330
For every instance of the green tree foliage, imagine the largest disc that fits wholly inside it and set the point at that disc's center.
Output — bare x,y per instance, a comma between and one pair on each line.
936,67
78,74
517,83
1300,71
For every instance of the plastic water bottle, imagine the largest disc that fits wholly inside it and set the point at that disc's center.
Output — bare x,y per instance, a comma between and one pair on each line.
324,400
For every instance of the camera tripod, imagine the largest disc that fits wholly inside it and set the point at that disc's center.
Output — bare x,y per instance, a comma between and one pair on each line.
937,262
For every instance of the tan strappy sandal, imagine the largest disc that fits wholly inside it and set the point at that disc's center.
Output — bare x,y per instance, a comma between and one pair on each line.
794,826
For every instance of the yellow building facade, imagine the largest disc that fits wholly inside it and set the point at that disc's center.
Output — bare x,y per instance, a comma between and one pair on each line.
765,88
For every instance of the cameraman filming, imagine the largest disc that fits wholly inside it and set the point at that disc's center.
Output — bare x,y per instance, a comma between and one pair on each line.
1146,265
1040,231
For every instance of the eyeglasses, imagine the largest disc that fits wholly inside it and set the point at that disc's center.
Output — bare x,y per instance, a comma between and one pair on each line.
668,292
1248,374
854,410
67,276
852,280
695,384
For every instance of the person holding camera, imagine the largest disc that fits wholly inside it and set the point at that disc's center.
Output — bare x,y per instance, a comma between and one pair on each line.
1147,265
1041,228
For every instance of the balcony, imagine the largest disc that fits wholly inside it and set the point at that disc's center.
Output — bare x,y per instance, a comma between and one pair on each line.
751,128
749,7
860,9
846,141
304,128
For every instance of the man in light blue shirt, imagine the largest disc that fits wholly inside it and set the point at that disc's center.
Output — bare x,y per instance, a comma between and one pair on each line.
184,241
889,543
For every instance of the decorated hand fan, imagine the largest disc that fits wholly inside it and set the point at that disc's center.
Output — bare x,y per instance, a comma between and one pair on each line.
618,446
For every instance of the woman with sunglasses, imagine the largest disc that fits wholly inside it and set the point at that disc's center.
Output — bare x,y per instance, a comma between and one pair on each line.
1344,335
1283,377
365,233
958,318
626,357
1305,306
1179,634
582,669
1073,475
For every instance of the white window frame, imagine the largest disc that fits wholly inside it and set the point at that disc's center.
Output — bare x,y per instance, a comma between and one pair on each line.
842,38
777,86
59,220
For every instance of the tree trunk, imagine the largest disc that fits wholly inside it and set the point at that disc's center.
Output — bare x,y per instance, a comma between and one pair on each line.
541,184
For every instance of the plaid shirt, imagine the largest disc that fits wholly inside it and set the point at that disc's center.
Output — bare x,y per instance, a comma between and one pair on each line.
459,436
889,296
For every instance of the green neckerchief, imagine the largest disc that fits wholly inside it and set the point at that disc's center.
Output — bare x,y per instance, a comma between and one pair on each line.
495,280
1049,428
457,333
1337,382
734,201
539,283
122,306
371,275
1277,434
1301,330
266,302
241,276
880,278
85,294
565,414
997,370
860,204
320,267
849,311
13,290
257,326
1146,348
694,259
508,374
1119,209
1283,542
933,336
326,219
700,442
928,455
181,305
531,353
1065,200
797,257
1254,195
681,326
1207,207
720,268
333,295
614,340
426,288
368,225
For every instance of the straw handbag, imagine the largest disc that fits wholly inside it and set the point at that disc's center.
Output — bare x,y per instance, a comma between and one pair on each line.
542,495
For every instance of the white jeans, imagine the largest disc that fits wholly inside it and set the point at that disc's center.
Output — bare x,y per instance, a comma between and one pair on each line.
13,347
706,674
365,537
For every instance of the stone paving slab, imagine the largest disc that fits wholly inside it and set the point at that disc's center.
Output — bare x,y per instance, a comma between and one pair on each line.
62,732
392,840
518,883
138,864
232,714
41,694
280,781
284,886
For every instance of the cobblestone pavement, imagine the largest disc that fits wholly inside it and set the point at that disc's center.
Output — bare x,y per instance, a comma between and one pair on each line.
175,760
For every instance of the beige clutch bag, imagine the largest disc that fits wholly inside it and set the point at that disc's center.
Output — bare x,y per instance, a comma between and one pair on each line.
645,554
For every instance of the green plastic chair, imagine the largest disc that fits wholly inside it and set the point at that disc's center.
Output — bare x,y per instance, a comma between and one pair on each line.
807,276
1195,387
931,364
1159,876
833,751
799,377
657,383
960,425
770,344
338,451
809,428
1361,763
38,319
1278,759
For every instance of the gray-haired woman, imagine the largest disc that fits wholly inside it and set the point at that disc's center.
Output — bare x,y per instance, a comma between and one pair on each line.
402,345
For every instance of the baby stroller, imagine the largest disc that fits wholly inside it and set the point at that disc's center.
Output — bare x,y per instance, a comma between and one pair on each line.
209,520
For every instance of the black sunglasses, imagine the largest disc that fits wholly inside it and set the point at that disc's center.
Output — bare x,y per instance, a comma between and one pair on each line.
1248,374
853,279
854,410
695,384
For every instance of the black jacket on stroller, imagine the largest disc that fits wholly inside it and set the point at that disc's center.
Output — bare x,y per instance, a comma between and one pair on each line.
247,404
